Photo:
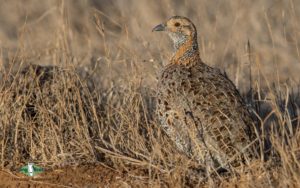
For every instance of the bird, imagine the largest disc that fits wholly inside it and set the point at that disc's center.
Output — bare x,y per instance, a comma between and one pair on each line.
199,107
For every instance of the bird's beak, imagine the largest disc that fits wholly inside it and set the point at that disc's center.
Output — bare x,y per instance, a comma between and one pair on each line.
160,27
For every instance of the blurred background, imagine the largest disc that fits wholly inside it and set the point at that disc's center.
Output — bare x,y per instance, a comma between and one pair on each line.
240,37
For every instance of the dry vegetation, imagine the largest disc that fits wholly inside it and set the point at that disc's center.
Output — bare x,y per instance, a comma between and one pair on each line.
97,106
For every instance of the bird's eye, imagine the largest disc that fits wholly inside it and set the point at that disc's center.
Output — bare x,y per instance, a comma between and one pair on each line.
177,24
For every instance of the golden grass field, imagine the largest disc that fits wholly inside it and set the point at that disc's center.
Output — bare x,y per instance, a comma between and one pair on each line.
90,121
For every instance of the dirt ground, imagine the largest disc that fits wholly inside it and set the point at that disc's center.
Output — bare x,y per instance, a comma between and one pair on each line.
82,176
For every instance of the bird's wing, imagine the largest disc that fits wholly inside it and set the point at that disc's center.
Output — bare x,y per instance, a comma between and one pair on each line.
203,104
225,119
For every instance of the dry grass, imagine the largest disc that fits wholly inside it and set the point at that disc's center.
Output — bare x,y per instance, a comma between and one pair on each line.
100,107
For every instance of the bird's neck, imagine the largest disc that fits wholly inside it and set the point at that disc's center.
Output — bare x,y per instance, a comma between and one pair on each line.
186,52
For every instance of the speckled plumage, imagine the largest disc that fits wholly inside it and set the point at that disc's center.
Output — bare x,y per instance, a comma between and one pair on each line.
199,108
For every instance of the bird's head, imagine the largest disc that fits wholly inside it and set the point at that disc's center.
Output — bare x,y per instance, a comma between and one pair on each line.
180,30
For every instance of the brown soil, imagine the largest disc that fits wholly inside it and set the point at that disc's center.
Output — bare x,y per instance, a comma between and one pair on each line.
82,176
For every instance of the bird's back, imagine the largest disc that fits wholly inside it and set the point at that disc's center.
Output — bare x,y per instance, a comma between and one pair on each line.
202,111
